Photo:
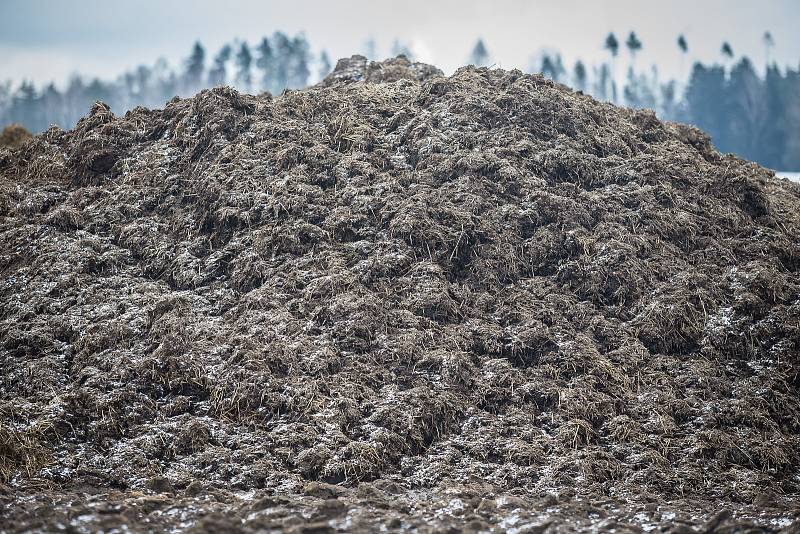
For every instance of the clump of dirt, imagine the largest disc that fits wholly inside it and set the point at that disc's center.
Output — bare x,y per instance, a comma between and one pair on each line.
359,69
396,300
13,136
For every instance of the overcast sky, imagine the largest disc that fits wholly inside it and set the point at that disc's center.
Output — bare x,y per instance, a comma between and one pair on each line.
49,40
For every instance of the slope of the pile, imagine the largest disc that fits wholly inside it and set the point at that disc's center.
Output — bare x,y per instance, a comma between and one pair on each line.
482,277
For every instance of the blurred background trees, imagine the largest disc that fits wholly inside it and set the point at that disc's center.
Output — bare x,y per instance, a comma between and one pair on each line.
480,55
276,63
755,115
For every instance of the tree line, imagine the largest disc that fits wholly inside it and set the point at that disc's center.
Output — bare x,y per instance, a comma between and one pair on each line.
273,64
755,115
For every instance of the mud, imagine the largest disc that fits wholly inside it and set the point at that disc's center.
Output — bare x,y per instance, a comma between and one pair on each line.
397,301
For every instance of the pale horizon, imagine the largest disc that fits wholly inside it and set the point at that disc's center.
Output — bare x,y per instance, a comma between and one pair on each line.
45,41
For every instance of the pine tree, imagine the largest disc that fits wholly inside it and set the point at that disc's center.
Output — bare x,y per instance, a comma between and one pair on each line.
300,57
636,92
639,91
634,46
777,121
479,55
790,159
552,67
612,45
97,91
683,45
193,77
579,76
264,63
705,103
74,100
244,61
602,77
747,111
324,65
769,42
217,74
727,50
401,49
167,83
52,106
669,101
143,75
5,102
371,49
282,50
25,105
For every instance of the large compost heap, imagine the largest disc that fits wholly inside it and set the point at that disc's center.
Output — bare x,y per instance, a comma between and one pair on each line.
399,301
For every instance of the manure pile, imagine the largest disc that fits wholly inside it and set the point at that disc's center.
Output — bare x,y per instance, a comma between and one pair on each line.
398,301
14,136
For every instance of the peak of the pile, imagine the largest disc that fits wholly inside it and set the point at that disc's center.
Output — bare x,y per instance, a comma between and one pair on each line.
358,68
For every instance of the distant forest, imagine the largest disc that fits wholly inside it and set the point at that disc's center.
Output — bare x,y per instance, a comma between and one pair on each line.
755,115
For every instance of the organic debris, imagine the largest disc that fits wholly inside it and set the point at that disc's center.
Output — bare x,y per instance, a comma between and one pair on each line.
13,136
396,300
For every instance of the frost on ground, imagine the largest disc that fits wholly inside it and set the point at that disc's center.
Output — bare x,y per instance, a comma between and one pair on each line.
397,301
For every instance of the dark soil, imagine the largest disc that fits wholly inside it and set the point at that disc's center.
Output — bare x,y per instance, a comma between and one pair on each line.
396,301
